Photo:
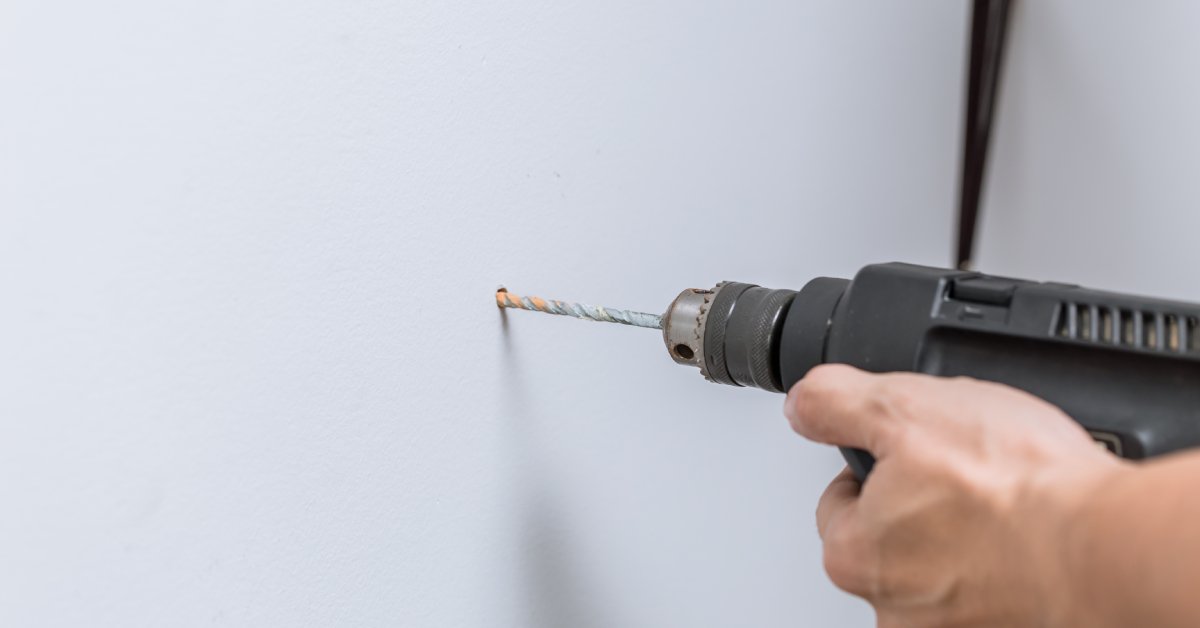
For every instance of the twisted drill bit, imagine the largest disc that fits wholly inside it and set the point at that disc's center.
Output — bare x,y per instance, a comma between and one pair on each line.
578,310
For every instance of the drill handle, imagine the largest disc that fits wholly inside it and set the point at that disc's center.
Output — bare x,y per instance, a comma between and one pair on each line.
859,461
1126,367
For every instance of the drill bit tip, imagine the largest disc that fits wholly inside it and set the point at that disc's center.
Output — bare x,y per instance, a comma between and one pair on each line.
505,299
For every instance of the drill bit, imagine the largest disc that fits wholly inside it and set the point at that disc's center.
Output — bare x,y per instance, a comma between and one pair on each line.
578,310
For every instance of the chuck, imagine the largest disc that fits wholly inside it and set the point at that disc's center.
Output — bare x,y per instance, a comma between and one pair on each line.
730,332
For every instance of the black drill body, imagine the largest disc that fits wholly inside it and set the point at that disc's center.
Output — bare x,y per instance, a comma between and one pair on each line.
1126,367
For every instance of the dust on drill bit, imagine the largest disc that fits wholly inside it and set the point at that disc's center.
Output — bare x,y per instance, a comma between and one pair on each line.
505,299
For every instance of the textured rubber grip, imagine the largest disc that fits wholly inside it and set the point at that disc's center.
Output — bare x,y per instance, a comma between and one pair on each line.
752,337
764,351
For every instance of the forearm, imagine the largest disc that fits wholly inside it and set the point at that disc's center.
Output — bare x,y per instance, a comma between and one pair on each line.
1132,548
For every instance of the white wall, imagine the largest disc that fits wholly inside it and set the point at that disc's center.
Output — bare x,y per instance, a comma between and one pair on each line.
1095,173
250,369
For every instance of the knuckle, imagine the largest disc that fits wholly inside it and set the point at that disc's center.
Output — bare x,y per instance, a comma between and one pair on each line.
910,446
894,398
842,560
843,572
895,433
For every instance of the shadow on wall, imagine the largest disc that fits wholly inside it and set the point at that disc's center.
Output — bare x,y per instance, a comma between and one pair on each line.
551,586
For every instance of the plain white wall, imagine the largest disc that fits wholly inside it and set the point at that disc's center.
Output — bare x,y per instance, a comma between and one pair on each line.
250,369
1094,178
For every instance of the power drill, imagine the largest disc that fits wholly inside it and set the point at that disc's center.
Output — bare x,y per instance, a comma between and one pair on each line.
1125,367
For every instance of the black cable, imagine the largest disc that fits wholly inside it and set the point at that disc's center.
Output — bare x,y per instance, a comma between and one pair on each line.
989,23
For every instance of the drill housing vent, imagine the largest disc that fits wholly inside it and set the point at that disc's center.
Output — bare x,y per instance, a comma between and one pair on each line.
1166,332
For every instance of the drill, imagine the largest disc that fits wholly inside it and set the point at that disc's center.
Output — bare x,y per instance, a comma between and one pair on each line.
1125,367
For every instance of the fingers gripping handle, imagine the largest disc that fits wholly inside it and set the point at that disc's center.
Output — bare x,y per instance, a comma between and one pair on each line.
860,462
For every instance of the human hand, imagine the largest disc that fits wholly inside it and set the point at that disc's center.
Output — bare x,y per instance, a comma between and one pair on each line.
961,522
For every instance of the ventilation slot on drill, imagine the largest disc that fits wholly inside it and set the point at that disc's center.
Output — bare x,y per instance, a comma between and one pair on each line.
1156,331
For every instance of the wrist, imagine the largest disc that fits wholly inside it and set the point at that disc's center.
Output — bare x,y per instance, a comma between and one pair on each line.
1070,503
